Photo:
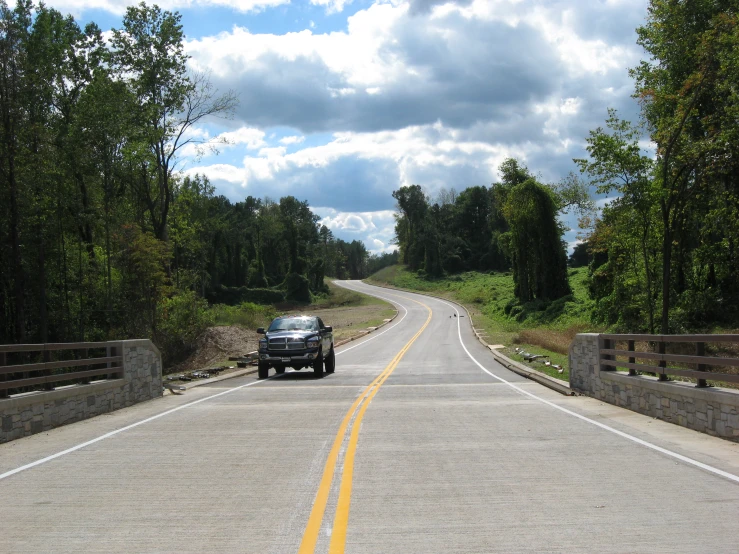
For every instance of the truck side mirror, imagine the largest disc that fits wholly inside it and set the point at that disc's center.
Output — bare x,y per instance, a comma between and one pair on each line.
328,328
261,331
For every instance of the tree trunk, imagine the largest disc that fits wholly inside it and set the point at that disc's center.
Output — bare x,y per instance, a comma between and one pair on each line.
666,267
15,247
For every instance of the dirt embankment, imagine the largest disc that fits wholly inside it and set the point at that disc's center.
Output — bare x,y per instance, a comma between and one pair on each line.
216,345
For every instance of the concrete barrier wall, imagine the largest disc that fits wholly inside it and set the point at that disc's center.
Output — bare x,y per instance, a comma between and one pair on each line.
713,410
37,412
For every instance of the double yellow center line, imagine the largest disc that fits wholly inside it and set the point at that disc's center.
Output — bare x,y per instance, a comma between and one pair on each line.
341,518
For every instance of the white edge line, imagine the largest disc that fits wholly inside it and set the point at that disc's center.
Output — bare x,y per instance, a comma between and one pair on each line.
178,408
127,427
632,438
378,334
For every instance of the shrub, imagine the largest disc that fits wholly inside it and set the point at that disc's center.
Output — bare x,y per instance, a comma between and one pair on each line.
246,314
182,318
296,287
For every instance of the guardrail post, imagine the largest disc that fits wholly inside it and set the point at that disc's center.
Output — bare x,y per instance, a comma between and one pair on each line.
632,360
662,363
112,351
46,357
700,350
3,376
86,356
607,345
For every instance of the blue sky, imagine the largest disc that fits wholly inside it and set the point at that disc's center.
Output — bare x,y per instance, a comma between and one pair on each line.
341,102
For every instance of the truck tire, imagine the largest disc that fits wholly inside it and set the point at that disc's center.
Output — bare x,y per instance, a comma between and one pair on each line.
330,363
262,370
318,365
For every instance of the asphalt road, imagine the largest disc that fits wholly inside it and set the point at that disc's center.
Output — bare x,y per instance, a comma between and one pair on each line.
420,442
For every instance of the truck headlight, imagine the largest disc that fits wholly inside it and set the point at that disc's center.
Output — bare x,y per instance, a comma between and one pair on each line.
312,342
262,344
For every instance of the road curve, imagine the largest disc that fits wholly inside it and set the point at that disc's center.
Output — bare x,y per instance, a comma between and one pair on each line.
420,442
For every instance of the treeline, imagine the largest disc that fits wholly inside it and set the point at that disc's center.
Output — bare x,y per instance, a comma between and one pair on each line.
665,251
511,225
100,236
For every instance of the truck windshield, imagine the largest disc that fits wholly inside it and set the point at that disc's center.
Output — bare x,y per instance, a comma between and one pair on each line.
294,324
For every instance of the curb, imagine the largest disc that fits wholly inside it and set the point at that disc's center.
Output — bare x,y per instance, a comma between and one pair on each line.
194,384
512,365
525,371
342,342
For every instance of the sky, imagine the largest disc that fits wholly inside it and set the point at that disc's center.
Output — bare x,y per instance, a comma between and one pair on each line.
341,102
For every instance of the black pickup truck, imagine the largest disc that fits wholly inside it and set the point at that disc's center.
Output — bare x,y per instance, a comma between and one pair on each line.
296,341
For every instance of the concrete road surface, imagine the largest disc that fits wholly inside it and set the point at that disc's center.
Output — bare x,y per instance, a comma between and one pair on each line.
419,443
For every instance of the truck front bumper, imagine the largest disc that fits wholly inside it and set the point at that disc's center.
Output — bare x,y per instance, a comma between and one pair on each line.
288,358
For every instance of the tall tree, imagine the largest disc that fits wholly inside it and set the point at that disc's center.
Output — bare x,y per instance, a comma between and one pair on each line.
618,164
535,244
148,54
14,32
688,94
412,206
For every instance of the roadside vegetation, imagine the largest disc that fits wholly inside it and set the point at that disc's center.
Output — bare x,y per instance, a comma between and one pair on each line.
103,238
223,331
337,299
535,327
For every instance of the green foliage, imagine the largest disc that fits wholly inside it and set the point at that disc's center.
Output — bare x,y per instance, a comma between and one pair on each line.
101,238
181,319
297,288
667,243
535,246
247,314
496,308
471,230
580,256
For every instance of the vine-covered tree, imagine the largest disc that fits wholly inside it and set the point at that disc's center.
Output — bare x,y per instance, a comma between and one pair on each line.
538,255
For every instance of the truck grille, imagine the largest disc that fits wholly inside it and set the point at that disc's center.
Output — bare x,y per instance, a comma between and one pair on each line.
283,343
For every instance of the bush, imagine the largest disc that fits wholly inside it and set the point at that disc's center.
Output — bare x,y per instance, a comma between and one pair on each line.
247,314
181,319
297,288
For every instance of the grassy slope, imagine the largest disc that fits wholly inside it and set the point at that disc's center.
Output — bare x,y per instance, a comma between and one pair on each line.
533,327
347,311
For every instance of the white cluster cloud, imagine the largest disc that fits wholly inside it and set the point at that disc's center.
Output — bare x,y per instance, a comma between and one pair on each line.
429,92
376,229
355,56
292,140
332,6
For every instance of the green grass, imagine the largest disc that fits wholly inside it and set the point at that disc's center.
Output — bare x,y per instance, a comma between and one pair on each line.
339,297
538,327
246,315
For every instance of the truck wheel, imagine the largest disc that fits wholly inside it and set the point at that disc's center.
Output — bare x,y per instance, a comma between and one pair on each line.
263,370
318,365
280,369
330,362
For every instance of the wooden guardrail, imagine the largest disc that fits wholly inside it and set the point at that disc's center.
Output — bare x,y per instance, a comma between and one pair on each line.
609,355
49,372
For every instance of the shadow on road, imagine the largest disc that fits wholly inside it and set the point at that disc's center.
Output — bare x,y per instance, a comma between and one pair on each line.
299,376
